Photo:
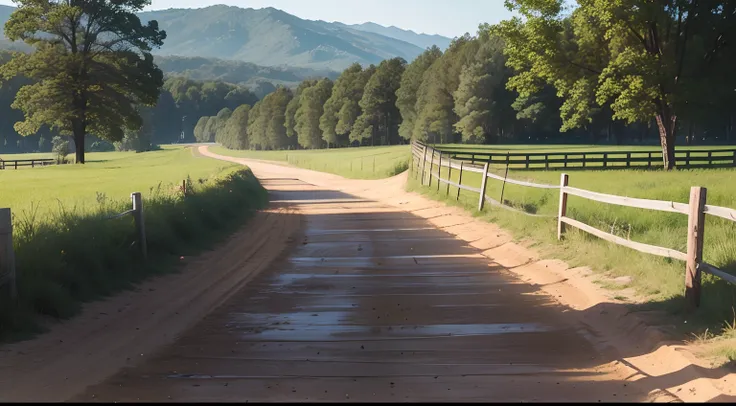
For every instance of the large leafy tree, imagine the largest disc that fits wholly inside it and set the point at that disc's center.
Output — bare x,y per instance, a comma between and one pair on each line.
92,66
644,59
378,104
406,95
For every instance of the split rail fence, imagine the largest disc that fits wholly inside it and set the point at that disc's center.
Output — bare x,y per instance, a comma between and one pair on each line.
427,164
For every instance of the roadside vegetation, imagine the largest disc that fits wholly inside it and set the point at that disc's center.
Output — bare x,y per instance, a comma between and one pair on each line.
353,163
68,251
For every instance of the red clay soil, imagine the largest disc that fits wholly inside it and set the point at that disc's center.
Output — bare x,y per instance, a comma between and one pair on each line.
356,291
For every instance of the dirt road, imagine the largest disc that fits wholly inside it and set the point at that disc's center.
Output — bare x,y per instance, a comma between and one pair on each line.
375,303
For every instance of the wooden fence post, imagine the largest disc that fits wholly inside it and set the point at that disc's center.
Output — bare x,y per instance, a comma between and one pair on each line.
734,158
439,172
483,181
7,255
449,175
563,206
695,236
460,180
140,226
431,164
424,161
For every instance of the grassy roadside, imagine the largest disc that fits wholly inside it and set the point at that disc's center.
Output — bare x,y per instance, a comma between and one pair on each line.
657,282
70,256
352,163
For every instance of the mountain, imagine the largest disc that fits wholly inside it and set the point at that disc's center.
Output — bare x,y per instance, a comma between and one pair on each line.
271,37
423,41
242,73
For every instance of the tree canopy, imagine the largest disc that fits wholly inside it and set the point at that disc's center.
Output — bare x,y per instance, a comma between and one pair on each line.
91,67
642,59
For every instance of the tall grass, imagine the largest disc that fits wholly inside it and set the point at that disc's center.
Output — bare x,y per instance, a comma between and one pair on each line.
68,256
659,280
353,163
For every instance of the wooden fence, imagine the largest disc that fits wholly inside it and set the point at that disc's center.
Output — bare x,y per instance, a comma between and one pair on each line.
15,163
7,254
428,162
695,158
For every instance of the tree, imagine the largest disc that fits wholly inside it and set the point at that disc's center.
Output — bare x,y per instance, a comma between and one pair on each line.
220,120
210,129
643,59
235,134
257,122
378,103
293,106
342,108
406,95
277,103
482,103
199,129
435,103
92,66
307,116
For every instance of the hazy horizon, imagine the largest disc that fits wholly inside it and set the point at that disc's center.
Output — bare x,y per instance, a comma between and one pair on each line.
442,17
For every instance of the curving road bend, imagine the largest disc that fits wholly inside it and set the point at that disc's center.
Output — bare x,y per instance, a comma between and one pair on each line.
373,303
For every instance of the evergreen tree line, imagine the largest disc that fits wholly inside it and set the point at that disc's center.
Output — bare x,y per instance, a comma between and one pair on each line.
462,95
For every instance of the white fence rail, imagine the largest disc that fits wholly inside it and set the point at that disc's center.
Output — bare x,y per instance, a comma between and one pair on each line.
428,163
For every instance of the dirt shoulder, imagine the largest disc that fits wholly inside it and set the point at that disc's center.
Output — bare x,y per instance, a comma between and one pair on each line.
640,347
122,330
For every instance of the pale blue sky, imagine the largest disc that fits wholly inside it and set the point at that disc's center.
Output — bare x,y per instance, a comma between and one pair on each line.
445,17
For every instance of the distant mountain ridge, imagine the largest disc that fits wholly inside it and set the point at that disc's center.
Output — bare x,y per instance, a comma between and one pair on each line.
423,41
274,38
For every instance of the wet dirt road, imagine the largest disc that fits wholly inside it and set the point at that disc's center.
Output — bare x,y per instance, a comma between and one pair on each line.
374,304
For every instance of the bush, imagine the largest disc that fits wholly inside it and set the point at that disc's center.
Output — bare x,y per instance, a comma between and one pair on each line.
71,257
60,148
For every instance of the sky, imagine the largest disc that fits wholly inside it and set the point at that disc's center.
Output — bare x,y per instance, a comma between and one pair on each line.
450,18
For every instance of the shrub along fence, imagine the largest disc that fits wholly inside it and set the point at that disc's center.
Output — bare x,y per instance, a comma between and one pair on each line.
428,162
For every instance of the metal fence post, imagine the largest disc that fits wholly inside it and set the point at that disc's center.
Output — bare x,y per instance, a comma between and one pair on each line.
483,181
695,237
7,255
140,226
563,206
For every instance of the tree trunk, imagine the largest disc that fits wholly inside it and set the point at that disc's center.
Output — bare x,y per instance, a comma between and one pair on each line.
689,139
79,129
666,122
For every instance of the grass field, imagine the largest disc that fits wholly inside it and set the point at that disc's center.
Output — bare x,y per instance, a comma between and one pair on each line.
353,163
67,248
659,280
114,174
